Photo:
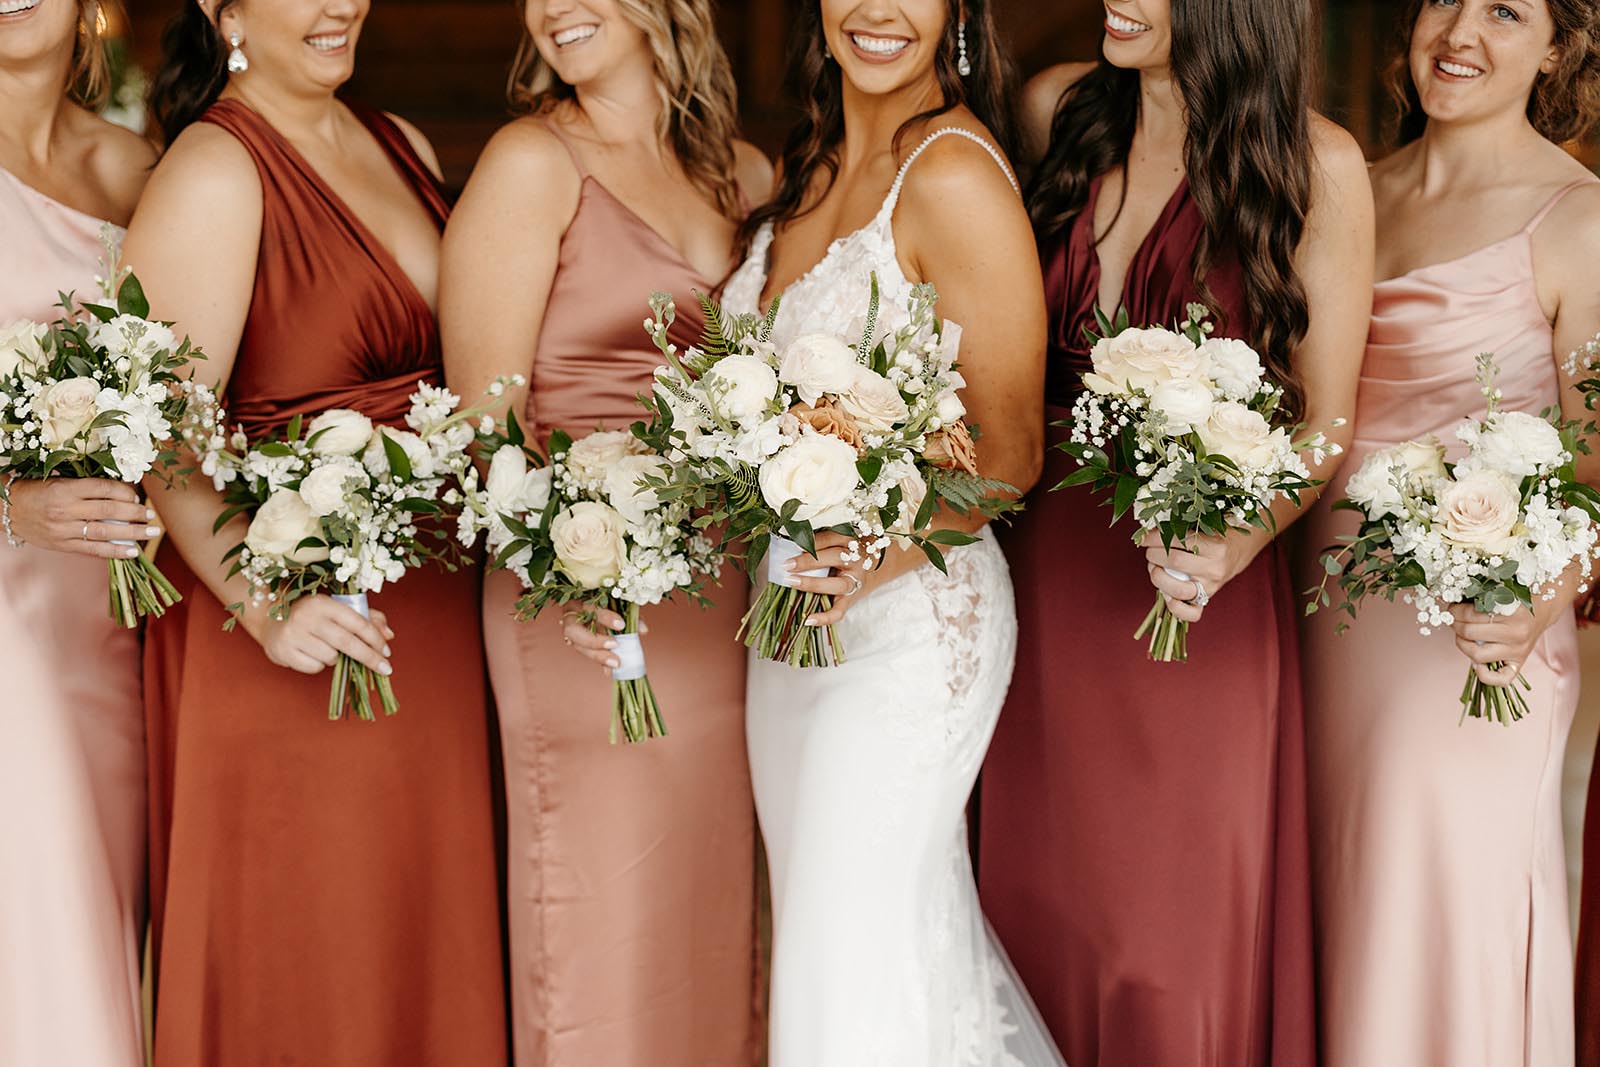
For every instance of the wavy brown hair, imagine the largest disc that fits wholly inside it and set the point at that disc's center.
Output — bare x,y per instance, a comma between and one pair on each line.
813,142
89,82
700,113
1245,76
194,68
1563,106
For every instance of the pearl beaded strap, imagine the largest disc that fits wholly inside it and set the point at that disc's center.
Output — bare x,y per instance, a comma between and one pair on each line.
5,512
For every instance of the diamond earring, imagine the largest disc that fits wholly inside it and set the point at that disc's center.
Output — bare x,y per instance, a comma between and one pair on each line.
238,62
963,65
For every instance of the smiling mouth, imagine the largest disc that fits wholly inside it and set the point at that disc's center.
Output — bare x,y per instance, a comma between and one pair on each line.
575,35
879,46
328,42
1456,70
17,7
1123,25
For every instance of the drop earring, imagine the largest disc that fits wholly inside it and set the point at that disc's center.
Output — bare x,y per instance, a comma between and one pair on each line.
963,65
238,62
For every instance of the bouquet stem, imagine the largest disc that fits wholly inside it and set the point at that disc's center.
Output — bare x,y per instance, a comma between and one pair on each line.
138,589
633,700
775,626
1501,704
1169,635
353,682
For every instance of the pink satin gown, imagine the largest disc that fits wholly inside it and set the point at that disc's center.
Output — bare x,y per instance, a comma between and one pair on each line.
1438,863
72,763
631,893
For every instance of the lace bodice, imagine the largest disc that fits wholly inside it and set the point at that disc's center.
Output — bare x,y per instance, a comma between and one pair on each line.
833,295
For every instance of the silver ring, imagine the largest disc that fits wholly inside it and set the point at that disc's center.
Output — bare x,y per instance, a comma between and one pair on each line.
858,583
86,531
1201,597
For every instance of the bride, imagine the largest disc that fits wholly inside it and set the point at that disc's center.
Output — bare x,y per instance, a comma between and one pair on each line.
881,956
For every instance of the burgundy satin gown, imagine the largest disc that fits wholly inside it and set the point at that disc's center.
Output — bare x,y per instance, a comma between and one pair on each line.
324,893
1143,844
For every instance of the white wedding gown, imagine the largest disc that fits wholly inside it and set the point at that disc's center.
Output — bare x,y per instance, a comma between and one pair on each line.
881,955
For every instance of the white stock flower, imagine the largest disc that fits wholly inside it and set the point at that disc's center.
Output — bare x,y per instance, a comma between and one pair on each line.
818,471
131,336
1517,444
1480,510
1143,359
588,542
633,501
741,387
950,407
1186,403
817,363
339,432
1374,486
1242,435
1234,366
280,525
591,457
873,400
324,488
66,409
21,346
913,491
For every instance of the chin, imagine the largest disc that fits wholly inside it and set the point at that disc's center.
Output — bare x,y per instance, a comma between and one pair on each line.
1135,55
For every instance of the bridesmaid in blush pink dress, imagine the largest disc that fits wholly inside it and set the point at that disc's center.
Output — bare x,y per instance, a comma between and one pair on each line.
1439,872
72,750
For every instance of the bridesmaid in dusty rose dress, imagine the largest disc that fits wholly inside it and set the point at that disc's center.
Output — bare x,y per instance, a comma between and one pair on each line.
1143,850
71,724
631,869
1440,875
323,893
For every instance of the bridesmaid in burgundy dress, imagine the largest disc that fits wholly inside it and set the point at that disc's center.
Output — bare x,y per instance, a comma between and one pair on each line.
323,893
1144,853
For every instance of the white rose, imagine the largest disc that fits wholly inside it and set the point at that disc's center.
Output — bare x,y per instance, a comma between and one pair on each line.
280,525
633,501
1186,404
817,363
874,400
67,408
950,409
1374,487
376,457
1242,435
22,346
817,470
591,457
741,387
1234,366
512,488
1518,444
1144,359
324,488
1480,510
339,432
588,543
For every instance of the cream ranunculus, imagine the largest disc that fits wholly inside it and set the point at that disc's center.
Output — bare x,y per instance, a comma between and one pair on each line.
339,432
324,489
280,525
21,346
590,458
1234,366
1518,444
632,500
1423,461
1144,359
1186,403
1480,510
818,471
512,488
741,387
874,400
817,363
1241,434
588,542
65,410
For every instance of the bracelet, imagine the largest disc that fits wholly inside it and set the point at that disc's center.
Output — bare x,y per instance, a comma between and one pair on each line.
5,512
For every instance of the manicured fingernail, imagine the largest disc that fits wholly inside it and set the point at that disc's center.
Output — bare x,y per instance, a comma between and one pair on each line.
610,646
613,663
130,553
385,670
152,531
619,625
812,622
644,627
386,651
149,514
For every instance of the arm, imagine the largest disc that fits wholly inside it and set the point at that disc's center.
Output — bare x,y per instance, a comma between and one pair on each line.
420,145
1040,98
1336,266
754,172
194,242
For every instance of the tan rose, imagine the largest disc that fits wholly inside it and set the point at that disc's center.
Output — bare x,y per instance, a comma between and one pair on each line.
1480,511
829,418
589,545
66,409
952,448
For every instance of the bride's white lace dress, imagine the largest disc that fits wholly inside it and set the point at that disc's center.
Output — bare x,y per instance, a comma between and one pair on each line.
881,955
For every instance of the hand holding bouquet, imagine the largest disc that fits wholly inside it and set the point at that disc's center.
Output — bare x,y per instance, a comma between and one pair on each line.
1496,530
862,434
1178,427
592,528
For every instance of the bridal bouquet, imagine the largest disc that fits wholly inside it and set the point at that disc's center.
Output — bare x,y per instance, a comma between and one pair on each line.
342,507
592,528
1178,427
1495,530
97,394
864,435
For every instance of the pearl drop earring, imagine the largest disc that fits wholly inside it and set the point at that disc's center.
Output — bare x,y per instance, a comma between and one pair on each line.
238,62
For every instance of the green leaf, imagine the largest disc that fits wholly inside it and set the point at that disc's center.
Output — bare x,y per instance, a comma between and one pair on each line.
295,425
935,557
399,463
1127,490
952,538
559,444
131,299
869,469
514,432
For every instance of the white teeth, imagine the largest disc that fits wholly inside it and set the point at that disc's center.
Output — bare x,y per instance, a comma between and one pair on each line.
880,46
1458,70
16,7
330,43
1122,25
574,35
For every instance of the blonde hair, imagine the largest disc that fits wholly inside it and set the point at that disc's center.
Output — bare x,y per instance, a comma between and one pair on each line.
89,82
699,114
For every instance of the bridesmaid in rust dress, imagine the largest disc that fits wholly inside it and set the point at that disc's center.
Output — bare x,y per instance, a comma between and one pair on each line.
631,890
1143,846
324,893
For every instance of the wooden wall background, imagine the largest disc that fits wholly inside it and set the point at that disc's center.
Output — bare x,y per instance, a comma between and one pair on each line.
443,63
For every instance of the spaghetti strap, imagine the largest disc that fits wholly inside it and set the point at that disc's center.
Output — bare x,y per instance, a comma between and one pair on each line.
900,178
566,142
1554,202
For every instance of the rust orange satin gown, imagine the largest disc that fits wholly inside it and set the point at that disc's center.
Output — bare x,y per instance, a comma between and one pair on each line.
324,893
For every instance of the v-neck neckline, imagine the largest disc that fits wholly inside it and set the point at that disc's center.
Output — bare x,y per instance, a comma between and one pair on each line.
677,253
1162,223
388,261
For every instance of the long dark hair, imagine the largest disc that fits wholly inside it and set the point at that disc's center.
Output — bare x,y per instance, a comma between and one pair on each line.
194,69
1245,76
817,81
1564,104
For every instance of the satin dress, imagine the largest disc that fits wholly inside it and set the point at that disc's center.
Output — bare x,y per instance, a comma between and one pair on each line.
1440,873
72,751
1143,848
324,893
631,878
